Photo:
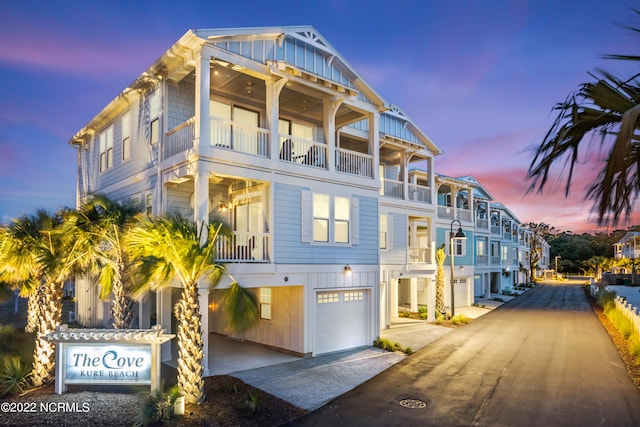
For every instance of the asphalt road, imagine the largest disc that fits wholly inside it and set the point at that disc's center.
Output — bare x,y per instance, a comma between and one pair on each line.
542,359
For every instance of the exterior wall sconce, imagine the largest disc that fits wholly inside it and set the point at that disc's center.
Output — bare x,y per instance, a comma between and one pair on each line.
347,269
462,269
222,206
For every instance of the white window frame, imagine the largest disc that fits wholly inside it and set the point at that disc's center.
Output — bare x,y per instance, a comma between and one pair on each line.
126,136
148,204
106,149
265,303
308,218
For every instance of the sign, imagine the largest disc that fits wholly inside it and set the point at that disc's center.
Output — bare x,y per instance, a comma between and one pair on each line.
107,356
107,364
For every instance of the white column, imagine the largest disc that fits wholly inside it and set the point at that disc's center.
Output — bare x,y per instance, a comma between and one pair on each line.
273,89
374,143
393,288
201,197
203,88
163,310
330,108
431,299
203,299
414,294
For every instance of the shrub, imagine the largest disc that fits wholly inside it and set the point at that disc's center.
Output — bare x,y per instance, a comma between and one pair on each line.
460,319
157,406
424,313
14,376
606,299
250,404
387,345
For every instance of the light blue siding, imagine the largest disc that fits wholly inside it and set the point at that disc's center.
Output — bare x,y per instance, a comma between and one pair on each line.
442,236
398,240
288,245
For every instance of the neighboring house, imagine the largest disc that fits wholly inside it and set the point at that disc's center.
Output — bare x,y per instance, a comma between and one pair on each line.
330,191
628,247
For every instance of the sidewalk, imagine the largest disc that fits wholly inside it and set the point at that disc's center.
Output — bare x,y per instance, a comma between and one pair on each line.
311,383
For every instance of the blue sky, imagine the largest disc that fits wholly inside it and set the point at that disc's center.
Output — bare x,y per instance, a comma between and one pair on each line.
480,78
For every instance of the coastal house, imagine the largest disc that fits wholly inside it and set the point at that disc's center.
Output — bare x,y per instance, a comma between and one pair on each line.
271,130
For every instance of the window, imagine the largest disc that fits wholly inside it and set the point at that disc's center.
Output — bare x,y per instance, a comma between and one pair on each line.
481,246
154,138
330,219
265,303
460,247
126,136
106,149
341,218
148,204
354,296
383,232
327,298
320,218
505,253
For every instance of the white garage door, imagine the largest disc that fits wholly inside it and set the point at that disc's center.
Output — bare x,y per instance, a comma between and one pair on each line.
341,320
462,292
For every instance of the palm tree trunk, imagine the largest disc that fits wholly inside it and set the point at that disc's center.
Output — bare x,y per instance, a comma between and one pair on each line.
49,316
32,313
122,307
190,347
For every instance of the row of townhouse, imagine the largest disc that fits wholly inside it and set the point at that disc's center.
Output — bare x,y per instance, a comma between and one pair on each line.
330,191
628,247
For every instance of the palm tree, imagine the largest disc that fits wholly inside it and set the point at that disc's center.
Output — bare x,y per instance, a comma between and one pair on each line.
38,258
168,247
100,224
440,257
608,106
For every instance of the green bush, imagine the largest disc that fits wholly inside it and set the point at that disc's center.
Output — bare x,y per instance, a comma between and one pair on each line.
460,318
250,404
385,344
606,299
423,311
14,376
157,406
16,343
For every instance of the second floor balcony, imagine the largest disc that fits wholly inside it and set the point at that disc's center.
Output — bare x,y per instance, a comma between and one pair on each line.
241,138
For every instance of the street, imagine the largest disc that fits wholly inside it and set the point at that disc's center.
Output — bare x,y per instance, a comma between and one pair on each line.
543,359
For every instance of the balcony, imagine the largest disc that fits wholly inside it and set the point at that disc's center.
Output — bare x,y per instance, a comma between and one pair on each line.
463,215
482,223
238,137
495,260
392,188
354,163
445,212
419,193
482,259
179,139
419,255
243,247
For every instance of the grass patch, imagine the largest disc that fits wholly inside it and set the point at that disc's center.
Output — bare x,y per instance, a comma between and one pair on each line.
606,299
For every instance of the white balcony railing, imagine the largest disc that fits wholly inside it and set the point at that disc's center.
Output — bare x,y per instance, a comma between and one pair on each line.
419,193
495,260
463,215
482,259
419,255
179,139
445,212
354,163
243,247
482,223
392,188
303,151
239,137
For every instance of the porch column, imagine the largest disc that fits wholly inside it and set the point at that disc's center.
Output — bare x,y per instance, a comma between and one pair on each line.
203,300
201,197
431,299
393,284
374,143
202,130
414,294
329,109
273,89
163,310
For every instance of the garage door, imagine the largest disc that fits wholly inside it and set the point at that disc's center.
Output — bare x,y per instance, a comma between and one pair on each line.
341,320
462,292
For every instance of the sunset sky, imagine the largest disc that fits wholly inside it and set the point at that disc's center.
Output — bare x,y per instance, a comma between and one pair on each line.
480,78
